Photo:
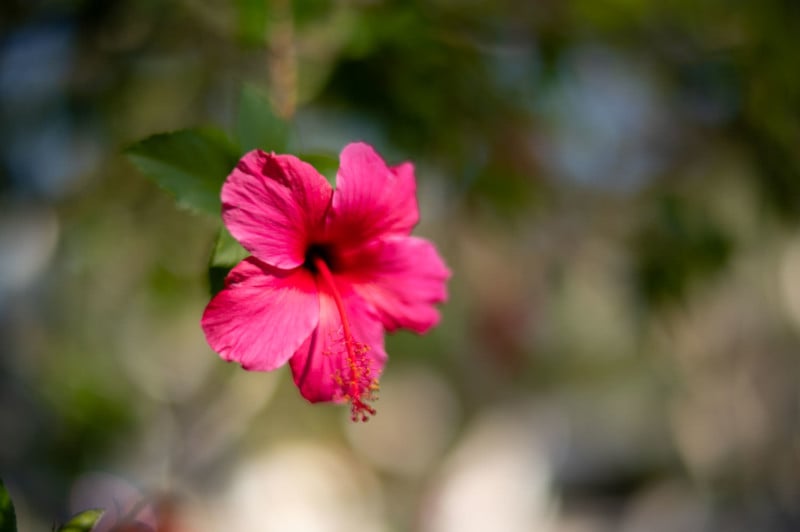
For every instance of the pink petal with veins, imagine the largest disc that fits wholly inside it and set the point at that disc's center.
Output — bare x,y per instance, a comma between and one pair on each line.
371,200
275,205
262,315
402,278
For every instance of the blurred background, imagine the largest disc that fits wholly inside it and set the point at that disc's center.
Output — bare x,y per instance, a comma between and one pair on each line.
614,183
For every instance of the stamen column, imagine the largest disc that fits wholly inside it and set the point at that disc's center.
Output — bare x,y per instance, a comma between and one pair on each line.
358,386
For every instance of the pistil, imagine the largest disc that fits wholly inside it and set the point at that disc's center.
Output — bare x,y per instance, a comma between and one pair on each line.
358,386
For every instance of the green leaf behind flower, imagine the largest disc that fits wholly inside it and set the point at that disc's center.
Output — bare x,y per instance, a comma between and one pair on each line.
8,518
226,254
82,522
192,164
227,251
326,164
257,125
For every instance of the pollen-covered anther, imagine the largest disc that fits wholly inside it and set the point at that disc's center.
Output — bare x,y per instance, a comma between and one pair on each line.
360,388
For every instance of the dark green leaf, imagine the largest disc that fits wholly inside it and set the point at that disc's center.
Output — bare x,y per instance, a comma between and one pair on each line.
8,518
257,125
82,522
192,164
216,278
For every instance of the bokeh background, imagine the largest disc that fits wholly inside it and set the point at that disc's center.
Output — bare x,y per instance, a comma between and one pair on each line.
614,183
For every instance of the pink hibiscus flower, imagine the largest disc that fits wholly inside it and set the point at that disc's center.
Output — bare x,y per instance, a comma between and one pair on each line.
329,271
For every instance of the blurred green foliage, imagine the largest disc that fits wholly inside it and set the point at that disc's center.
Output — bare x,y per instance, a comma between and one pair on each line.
8,518
82,522
680,246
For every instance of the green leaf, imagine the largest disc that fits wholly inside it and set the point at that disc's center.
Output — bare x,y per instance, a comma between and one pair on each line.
226,254
216,278
227,251
326,164
192,164
8,518
257,125
82,522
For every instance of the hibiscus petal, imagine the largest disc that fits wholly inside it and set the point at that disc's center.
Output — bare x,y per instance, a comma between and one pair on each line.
322,358
402,277
274,205
262,315
372,199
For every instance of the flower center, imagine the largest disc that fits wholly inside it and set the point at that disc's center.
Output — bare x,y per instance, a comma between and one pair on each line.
316,252
355,379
